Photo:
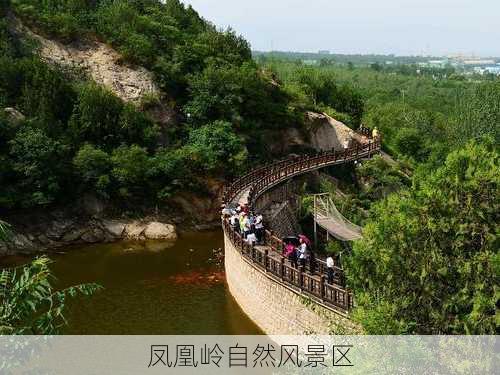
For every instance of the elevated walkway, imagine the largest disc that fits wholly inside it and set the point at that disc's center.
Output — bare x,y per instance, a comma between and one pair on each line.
269,258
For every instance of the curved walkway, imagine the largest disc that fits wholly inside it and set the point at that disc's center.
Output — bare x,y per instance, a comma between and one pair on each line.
249,188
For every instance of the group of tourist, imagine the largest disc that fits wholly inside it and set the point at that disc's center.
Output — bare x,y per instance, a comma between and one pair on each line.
249,225
299,253
296,249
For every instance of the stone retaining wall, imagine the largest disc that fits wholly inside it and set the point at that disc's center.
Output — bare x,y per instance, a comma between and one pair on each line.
275,307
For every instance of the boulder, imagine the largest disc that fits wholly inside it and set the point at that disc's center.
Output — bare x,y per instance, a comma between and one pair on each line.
43,239
58,229
21,242
327,133
160,231
135,230
74,235
13,115
115,228
93,236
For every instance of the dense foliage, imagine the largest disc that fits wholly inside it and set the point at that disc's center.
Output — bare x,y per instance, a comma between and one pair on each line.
75,136
429,259
78,137
315,89
29,305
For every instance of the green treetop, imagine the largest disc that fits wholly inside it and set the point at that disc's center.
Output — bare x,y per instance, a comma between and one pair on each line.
429,262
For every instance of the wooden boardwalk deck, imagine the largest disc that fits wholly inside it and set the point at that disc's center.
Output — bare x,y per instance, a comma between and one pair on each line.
337,229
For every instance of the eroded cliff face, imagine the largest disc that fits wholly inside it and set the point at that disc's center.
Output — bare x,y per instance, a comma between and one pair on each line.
327,133
321,133
102,63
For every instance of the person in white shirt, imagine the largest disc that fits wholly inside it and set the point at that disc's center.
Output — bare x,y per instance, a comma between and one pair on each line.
302,250
329,269
247,226
234,220
259,228
251,239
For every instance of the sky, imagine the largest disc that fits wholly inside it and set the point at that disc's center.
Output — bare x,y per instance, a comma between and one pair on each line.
401,27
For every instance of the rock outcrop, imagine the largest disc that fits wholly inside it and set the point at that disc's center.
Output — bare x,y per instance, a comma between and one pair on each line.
327,133
64,232
105,66
160,231
321,133
13,115
100,61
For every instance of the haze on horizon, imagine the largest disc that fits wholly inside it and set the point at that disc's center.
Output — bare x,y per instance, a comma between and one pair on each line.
400,27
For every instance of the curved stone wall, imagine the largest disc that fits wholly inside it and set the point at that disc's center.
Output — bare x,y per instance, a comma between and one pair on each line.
279,298
275,307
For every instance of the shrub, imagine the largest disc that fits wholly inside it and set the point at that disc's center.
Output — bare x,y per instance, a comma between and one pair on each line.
36,159
94,167
130,165
428,260
215,147
96,117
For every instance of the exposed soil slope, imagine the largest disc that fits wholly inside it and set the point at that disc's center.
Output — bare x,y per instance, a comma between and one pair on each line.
103,64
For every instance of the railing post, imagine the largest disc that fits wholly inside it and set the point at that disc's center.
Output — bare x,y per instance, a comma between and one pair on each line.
301,283
266,257
322,287
282,268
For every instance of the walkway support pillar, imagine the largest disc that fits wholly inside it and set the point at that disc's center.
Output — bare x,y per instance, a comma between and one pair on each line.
315,228
327,210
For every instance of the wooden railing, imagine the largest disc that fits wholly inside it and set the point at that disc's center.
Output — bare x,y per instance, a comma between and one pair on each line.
274,263
267,176
269,258
304,164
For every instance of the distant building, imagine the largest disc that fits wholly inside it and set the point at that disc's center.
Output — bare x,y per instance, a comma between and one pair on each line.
438,63
323,52
434,64
479,62
310,62
493,69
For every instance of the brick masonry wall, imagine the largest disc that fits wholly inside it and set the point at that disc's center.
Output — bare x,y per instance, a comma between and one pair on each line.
276,308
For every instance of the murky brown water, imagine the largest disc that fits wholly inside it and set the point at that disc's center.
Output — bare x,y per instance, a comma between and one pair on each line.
151,288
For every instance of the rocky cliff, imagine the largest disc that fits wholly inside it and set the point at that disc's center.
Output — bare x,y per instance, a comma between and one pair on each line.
101,62
327,133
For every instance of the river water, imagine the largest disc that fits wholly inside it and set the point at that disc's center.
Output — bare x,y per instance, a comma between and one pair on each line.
151,288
